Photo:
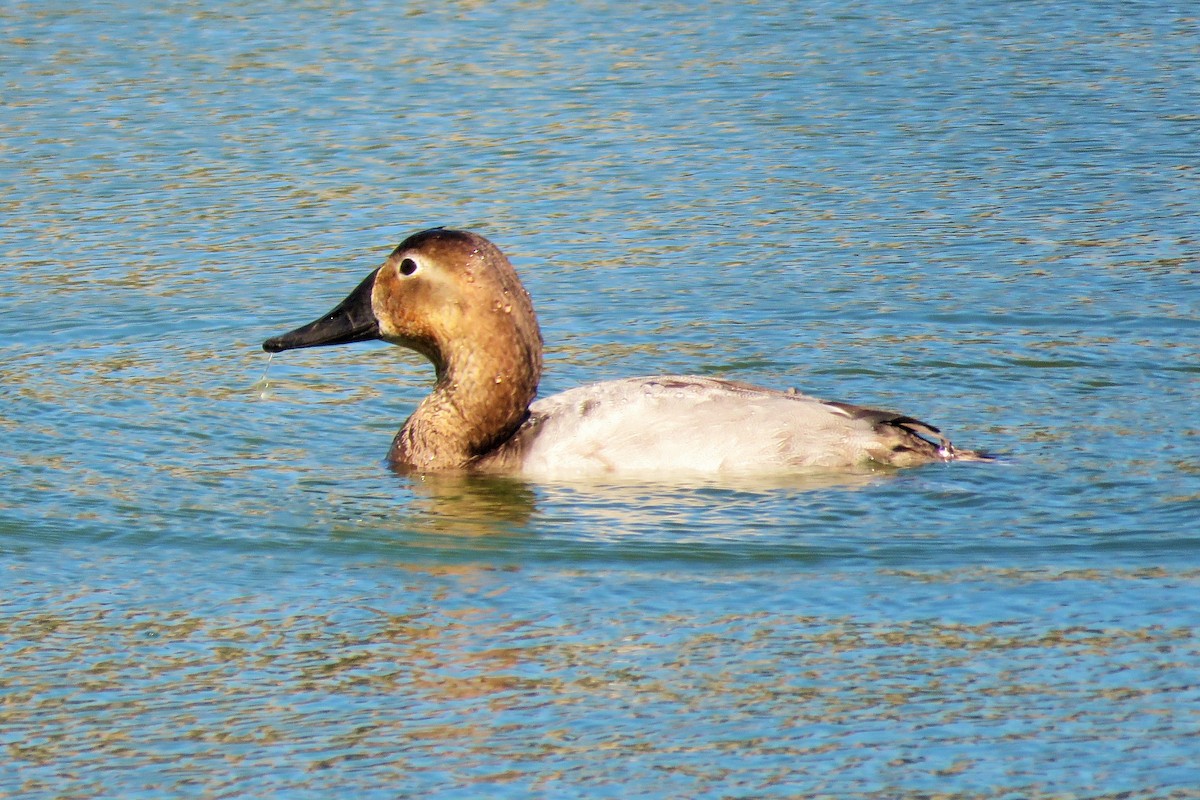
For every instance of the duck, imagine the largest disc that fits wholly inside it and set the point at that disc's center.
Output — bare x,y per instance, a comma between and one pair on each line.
454,297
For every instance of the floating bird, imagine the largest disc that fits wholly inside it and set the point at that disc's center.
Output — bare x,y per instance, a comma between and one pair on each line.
453,297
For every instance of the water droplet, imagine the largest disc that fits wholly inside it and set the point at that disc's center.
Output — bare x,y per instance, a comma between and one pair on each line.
262,385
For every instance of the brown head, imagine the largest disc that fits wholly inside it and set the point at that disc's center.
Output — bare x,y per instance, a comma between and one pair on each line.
453,297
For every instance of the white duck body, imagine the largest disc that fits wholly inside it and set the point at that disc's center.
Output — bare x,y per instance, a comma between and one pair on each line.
677,425
453,297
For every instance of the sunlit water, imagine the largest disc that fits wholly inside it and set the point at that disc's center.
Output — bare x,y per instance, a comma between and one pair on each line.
982,214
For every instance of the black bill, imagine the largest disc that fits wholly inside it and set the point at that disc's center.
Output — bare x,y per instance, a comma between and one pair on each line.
352,321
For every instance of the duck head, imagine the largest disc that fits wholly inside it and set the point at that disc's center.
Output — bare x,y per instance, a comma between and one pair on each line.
442,293
455,298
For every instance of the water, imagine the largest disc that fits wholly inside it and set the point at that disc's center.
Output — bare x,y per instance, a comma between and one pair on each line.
981,214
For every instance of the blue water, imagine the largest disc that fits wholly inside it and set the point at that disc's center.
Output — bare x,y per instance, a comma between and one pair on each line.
981,214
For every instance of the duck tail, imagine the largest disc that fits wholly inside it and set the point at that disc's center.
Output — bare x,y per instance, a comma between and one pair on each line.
905,441
946,450
974,455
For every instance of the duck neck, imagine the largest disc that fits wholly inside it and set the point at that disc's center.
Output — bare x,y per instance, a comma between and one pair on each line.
477,403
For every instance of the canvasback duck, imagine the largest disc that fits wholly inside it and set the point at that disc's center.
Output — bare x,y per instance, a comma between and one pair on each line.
453,297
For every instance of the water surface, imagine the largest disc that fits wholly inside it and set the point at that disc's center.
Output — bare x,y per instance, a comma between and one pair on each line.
980,214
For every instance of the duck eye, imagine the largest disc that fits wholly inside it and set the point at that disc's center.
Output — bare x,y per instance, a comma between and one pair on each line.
408,266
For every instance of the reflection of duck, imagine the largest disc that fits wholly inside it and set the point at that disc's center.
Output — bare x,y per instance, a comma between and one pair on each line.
453,297
465,505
